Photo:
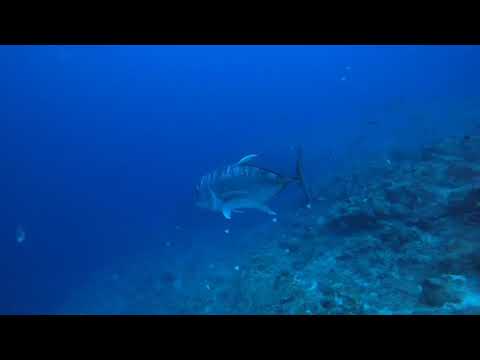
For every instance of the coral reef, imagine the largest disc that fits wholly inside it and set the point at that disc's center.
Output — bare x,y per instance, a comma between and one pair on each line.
402,238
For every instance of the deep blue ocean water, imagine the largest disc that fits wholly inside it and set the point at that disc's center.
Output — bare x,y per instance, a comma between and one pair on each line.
102,146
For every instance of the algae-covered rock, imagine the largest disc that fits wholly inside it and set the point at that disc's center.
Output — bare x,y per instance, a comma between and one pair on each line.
445,289
398,235
463,200
350,218
380,207
402,194
461,172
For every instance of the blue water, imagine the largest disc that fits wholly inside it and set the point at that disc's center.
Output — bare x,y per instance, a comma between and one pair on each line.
102,146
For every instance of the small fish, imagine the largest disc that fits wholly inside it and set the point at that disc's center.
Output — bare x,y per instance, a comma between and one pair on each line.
245,186
20,235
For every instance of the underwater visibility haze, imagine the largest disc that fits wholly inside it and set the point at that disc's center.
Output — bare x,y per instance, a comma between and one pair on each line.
240,179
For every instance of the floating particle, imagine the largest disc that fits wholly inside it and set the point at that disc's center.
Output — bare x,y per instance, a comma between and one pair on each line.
309,206
287,251
237,268
211,266
343,78
115,277
274,219
227,231
313,286
348,68
207,285
20,235
388,162
168,243
178,227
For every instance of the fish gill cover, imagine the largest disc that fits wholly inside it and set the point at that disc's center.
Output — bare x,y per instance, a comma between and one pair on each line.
105,148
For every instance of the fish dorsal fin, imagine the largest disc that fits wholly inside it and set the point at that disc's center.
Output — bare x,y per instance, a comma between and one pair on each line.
246,159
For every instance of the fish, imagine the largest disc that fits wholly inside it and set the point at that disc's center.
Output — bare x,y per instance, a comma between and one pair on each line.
242,185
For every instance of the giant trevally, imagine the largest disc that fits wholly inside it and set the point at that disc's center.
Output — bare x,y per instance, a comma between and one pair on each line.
243,185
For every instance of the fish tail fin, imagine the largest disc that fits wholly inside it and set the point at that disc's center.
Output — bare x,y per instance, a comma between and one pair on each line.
300,175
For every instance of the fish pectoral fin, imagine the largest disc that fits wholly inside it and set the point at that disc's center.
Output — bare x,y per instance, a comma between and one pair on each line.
266,209
246,159
227,213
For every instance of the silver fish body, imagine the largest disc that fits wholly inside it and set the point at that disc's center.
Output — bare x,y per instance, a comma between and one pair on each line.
241,186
